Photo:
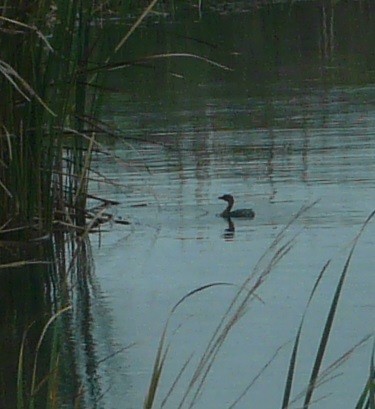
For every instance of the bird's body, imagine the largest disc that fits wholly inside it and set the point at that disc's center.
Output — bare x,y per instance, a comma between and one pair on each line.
239,213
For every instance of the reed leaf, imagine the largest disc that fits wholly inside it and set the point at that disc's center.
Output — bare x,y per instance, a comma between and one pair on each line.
293,359
20,372
330,318
33,388
146,11
367,397
162,352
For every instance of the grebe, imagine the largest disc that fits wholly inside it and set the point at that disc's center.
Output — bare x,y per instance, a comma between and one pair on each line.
227,213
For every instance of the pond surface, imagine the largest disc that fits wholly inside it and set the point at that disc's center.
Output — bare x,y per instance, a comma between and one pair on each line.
279,132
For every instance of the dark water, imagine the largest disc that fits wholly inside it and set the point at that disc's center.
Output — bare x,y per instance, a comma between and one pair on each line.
291,123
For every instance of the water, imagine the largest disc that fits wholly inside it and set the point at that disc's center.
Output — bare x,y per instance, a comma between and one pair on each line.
291,125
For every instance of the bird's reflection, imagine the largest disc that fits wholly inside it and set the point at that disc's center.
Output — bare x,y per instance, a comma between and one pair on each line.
229,231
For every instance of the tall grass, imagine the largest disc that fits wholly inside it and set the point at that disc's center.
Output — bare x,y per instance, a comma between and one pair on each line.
236,311
48,113
27,397
46,97
47,100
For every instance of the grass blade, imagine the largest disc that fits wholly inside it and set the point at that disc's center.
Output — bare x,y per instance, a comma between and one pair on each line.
146,11
49,322
329,321
293,359
163,351
20,371
367,398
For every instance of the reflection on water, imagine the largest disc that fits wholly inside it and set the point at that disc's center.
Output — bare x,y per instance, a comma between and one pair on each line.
47,349
229,231
24,297
292,124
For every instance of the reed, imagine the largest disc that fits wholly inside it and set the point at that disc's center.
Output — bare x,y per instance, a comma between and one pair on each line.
47,97
28,388
235,312
50,88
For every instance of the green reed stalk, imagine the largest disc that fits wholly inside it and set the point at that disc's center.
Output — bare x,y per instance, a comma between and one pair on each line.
45,91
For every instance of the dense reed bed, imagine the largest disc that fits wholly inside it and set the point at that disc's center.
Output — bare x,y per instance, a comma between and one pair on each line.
50,81
50,92
47,114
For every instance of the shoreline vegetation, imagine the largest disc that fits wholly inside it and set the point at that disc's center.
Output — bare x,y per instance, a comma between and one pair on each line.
48,114
53,65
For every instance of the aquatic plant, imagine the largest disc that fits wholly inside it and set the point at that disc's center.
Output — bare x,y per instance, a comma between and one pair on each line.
28,398
236,310
48,113
48,127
